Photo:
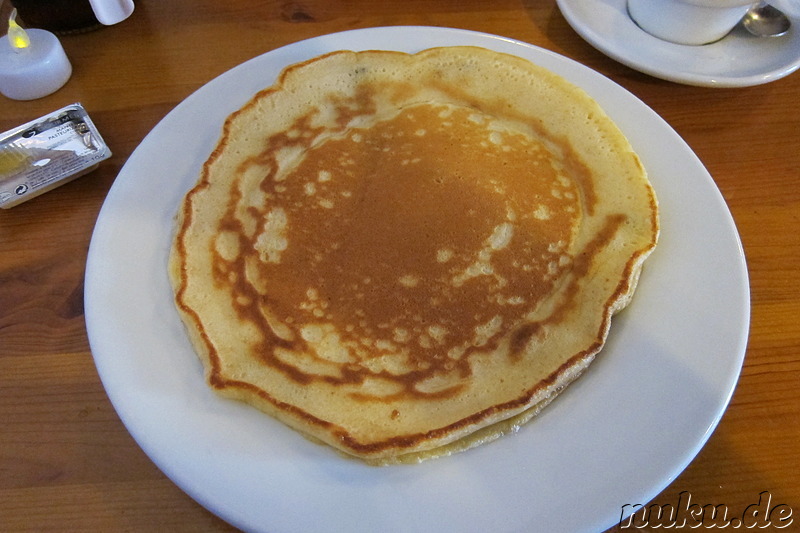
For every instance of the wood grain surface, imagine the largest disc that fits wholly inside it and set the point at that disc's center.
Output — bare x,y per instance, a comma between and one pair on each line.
66,461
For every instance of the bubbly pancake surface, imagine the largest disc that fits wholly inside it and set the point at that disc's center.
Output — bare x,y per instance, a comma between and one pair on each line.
392,252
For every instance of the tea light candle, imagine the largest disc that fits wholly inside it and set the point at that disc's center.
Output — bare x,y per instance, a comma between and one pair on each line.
33,63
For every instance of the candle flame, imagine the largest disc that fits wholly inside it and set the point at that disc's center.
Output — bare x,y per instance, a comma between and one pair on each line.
16,35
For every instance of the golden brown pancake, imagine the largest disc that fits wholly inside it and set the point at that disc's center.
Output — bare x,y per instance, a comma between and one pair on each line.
406,255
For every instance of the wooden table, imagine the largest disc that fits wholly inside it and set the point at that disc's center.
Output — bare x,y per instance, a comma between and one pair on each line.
66,461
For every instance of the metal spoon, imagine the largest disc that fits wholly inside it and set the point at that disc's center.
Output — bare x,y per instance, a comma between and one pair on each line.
764,20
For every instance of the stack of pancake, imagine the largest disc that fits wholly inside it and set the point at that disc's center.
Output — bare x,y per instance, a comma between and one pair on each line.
404,255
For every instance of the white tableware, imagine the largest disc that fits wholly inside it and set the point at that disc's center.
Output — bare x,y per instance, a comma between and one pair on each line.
737,60
617,436
110,12
693,22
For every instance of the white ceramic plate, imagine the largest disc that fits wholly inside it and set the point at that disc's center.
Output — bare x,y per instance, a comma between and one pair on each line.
617,436
737,60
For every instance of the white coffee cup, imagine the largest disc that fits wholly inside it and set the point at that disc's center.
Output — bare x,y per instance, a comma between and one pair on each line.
691,22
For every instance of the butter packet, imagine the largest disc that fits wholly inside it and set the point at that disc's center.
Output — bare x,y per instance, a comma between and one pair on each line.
48,152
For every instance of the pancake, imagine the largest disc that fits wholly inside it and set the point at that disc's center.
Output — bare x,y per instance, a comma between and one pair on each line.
406,255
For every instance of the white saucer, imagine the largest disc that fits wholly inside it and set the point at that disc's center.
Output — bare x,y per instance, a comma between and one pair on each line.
737,60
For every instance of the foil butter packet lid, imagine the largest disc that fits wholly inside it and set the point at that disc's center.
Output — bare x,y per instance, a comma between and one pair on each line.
48,152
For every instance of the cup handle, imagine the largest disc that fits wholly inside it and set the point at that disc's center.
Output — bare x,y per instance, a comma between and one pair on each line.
110,12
